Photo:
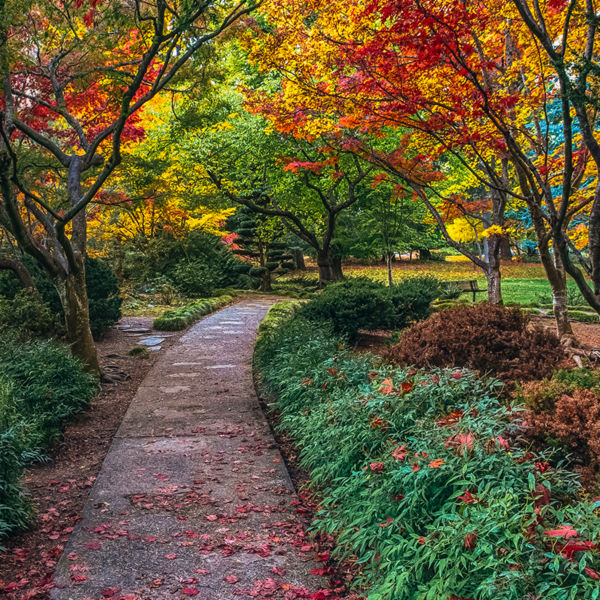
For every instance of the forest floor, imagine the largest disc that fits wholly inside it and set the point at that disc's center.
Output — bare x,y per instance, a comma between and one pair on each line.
60,486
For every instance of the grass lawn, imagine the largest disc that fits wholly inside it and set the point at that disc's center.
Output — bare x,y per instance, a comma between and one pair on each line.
521,283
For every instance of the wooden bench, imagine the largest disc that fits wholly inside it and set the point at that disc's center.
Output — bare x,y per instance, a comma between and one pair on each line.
469,286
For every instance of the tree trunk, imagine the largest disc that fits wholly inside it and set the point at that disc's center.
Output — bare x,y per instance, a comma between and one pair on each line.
265,278
558,282
73,297
425,254
492,270
299,260
389,270
325,268
336,268
494,280
505,251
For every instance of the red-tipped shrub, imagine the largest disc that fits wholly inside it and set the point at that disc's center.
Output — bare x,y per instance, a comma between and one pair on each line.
575,422
491,339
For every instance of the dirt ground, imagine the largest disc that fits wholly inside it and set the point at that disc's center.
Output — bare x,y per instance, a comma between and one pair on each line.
60,486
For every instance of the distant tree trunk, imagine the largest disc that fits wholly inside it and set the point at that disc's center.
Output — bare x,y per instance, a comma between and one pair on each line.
325,267
336,266
390,275
265,278
425,254
505,251
299,260
492,270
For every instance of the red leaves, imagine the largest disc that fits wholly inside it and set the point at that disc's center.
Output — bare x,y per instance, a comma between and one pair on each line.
231,579
468,498
400,453
190,591
565,531
451,419
377,467
461,441
470,540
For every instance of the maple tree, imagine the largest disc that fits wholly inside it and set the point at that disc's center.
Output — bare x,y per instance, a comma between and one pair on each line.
469,90
75,75
305,184
154,192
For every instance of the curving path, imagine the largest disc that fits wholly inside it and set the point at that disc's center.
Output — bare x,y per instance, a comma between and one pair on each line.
193,499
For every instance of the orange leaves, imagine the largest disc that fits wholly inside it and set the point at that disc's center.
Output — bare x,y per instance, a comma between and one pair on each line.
386,387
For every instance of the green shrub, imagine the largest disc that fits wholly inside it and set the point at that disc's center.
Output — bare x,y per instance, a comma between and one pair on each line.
584,317
103,295
15,510
361,303
194,279
419,478
450,291
177,319
580,379
49,386
41,386
26,315
164,255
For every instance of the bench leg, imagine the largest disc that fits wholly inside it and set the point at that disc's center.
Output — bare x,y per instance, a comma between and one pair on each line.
474,297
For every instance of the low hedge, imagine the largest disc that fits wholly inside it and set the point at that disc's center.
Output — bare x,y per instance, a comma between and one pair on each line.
177,319
420,479
41,387
583,317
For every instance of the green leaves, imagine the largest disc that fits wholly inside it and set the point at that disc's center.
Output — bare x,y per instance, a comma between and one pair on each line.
470,527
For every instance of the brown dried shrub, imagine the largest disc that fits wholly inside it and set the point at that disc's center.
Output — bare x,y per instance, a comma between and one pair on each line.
488,338
575,422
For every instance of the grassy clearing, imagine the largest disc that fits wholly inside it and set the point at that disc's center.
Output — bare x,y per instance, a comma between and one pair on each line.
521,283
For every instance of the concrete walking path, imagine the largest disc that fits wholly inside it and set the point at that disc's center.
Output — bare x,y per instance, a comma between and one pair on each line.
193,499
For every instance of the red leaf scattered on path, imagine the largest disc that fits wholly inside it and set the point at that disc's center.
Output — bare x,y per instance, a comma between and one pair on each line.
211,517
170,556
92,545
231,579
190,591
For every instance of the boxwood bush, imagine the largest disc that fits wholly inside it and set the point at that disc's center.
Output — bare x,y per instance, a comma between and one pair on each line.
420,479
177,319
361,303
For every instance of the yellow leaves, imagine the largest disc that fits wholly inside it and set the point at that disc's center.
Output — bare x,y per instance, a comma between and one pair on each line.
465,230
493,230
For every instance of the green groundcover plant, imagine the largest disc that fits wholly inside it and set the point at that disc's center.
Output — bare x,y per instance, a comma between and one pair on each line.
420,477
41,387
